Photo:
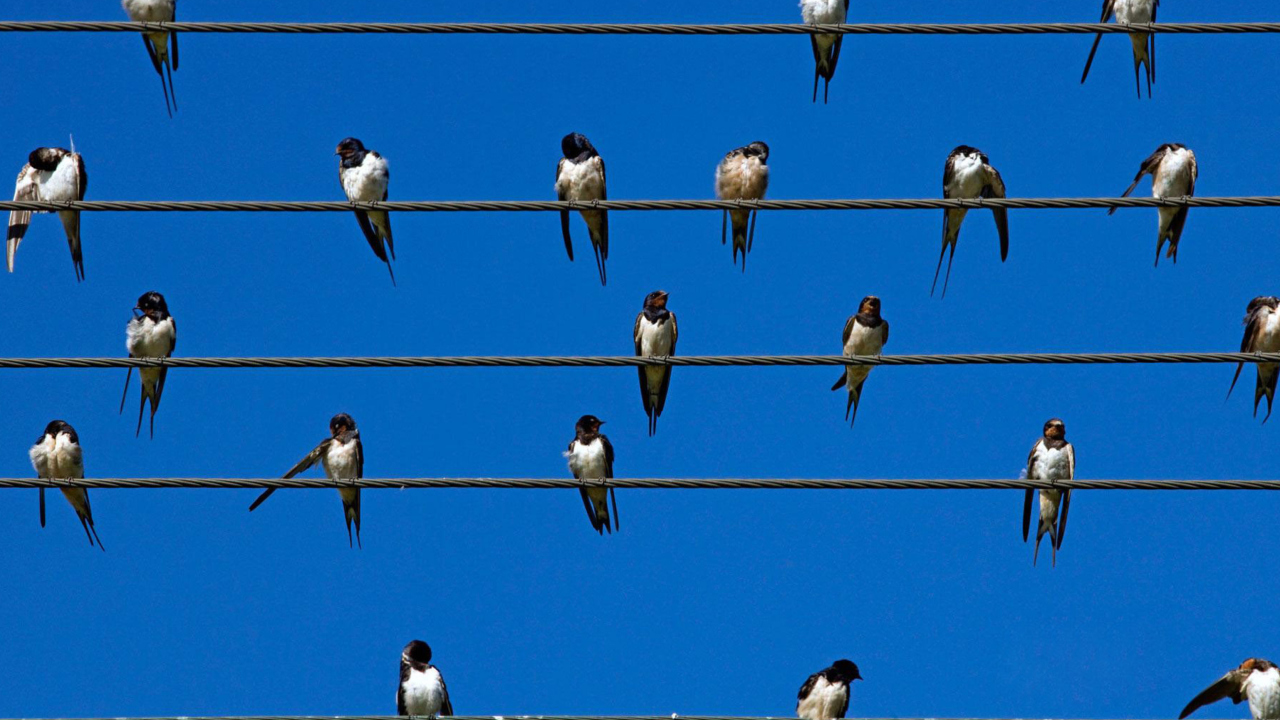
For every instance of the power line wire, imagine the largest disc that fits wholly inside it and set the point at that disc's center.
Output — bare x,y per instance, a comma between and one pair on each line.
464,28
1138,358
647,483
558,205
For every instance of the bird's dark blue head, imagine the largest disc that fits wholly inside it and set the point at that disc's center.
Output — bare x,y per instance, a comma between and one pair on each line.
341,423
55,428
351,151
576,145
588,425
152,305
870,305
46,159
758,149
1054,429
656,299
845,671
416,652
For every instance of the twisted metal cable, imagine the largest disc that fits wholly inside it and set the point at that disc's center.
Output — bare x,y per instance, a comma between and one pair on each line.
463,28
557,205
1139,358
646,483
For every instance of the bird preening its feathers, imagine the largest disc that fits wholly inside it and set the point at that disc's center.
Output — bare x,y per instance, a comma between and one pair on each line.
51,174
1173,170
1256,680
1261,334
580,176
969,174
743,174
57,456
152,333
421,692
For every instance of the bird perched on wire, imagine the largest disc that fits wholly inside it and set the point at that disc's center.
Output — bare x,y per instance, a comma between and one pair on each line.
57,455
343,458
50,175
151,333
743,174
864,334
826,46
655,334
580,176
1256,680
969,174
1261,334
1173,173
364,175
157,42
421,692
1144,44
825,695
591,458
1051,458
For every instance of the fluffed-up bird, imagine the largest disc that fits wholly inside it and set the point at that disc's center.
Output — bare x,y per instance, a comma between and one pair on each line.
1144,44
421,692
825,695
826,46
162,58
1051,458
1256,680
50,175
580,176
1173,173
57,455
655,334
151,333
743,174
591,458
364,175
969,174
343,458
864,334
1261,334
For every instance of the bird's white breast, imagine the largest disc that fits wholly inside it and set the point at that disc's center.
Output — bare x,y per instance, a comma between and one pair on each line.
655,338
1269,334
969,176
864,340
1263,691
822,12
1173,177
62,183
340,463
741,177
367,182
581,181
149,10
587,460
1052,464
146,338
57,457
824,700
39,454
1134,11
424,692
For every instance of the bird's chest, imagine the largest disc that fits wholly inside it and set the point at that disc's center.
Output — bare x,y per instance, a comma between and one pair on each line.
147,338
340,461
64,458
744,178
1264,694
823,12
1135,11
864,340
1174,177
1269,337
587,459
149,10
61,183
655,337
1052,465
969,178
584,180
367,182
423,692
826,700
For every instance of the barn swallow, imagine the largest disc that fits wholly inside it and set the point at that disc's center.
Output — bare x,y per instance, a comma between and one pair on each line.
50,175
1144,44
864,334
825,695
591,458
1261,334
57,455
1051,458
655,334
826,47
1173,173
421,692
968,175
158,42
364,175
742,175
151,333
580,176
343,458
1256,680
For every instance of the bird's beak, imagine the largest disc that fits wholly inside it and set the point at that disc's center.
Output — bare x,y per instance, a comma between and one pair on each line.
137,311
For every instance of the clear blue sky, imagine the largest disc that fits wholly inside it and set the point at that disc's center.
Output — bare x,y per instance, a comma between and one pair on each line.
706,602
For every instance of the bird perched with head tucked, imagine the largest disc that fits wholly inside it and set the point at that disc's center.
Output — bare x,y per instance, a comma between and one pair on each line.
1256,680
1261,334
1144,44
1051,458
826,46
655,334
743,174
825,695
50,175
969,174
151,333
343,459
421,692
580,176
591,458
364,175
57,455
864,334
1173,173
157,42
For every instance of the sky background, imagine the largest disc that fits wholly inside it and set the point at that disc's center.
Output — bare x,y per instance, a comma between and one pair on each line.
706,601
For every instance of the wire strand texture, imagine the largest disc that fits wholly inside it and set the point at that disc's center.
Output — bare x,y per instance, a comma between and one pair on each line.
465,28
1137,358
638,205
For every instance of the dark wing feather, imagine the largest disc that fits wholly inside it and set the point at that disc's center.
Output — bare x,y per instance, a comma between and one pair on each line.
807,687
311,459
173,56
995,189
370,235
564,214
604,214
608,456
1228,686
644,380
885,340
848,330
1108,7
164,371
446,708
666,376
1248,343
359,456
1148,166
401,709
